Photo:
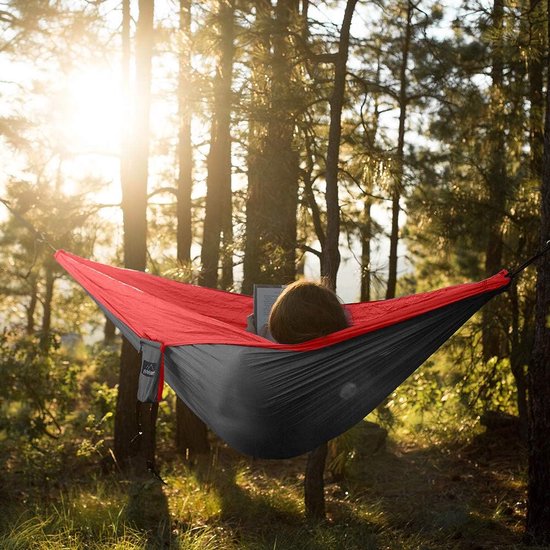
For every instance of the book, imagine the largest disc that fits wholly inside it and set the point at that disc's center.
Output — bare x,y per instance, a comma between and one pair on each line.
264,298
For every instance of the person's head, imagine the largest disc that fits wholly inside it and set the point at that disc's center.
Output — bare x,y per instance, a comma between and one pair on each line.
304,311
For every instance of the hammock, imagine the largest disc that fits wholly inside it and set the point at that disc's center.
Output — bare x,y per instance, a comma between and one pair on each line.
265,399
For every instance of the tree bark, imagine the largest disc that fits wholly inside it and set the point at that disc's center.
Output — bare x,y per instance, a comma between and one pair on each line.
134,174
134,181
258,112
270,243
496,182
218,194
31,308
536,97
517,362
398,183
191,431
185,152
367,224
331,255
109,332
47,306
226,226
314,483
538,490
366,236
126,114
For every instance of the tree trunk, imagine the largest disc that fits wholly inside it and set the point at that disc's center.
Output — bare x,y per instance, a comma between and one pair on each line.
126,114
270,245
536,98
367,225
226,225
517,362
538,491
47,307
226,218
191,432
134,174
260,51
314,483
331,256
185,152
398,183
31,308
314,477
366,235
496,182
109,332
218,194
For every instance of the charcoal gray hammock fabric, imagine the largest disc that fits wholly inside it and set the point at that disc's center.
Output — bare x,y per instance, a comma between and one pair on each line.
265,399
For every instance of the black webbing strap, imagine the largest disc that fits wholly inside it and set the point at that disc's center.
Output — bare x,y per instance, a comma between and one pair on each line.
138,423
153,411
539,254
151,468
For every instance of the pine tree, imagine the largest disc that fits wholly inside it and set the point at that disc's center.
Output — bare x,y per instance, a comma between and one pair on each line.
134,208
273,162
217,217
538,504
191,431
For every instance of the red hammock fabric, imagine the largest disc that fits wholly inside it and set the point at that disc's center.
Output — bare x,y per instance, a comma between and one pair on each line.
174,313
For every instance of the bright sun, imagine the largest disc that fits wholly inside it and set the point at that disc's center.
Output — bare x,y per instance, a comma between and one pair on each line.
88,112
92,110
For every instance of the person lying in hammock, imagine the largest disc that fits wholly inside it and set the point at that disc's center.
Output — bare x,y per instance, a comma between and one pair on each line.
306,310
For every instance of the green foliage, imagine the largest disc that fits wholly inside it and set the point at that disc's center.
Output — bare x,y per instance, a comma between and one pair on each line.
423,392
39,386
490,387
94,423
444,399
96,431
56,403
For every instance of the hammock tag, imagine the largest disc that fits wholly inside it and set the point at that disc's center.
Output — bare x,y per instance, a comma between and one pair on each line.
151,371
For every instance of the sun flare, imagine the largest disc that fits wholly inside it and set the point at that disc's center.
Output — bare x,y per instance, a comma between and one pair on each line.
92,111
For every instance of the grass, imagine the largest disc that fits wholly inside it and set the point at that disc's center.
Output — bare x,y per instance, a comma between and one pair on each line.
410,496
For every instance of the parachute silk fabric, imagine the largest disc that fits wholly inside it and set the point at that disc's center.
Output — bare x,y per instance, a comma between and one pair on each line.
265,399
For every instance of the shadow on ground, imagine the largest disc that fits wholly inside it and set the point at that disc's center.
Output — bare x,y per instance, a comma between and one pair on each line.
147,511
470,497
261,503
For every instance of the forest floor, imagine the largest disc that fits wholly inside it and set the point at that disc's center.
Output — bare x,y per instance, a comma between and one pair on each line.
408,496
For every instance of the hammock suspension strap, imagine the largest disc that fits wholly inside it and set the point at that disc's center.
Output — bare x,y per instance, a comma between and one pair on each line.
526,263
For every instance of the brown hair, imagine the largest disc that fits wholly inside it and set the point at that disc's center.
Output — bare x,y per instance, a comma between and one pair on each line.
304,311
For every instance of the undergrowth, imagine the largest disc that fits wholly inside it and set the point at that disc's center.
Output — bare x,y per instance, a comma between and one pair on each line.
408,496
